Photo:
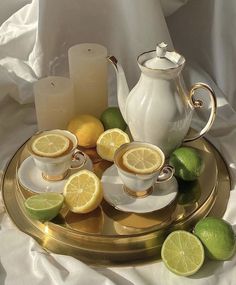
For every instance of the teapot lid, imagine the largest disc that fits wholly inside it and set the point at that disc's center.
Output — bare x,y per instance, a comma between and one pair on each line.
164,59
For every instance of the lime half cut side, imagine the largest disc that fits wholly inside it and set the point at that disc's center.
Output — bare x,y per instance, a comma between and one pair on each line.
182,253
44,206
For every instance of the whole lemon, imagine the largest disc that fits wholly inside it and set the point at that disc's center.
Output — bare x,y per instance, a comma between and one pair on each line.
112,118
217,236
87,129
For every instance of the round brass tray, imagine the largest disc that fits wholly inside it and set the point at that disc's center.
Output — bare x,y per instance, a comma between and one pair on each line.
108,237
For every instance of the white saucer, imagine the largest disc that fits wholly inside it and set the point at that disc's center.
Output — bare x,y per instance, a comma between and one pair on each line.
30,177
162,195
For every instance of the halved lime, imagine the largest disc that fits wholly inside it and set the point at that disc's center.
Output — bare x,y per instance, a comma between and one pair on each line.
182,253
44,206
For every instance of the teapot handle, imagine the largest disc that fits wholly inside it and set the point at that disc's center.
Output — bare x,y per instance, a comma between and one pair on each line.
199,104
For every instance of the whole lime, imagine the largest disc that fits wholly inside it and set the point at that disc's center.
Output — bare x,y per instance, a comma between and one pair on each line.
187,162
112,118
217,237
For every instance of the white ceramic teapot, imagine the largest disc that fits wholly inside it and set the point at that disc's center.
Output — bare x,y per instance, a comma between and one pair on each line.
159,108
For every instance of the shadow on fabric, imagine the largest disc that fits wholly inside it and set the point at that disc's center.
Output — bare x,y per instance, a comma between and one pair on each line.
3,274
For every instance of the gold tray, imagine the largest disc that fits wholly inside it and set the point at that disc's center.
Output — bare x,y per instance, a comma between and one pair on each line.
108,237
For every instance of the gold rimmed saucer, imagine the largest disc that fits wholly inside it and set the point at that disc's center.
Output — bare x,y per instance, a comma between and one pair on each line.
111,237
160,196
32,179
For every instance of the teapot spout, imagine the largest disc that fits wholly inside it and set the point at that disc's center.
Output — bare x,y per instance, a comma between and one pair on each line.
122,86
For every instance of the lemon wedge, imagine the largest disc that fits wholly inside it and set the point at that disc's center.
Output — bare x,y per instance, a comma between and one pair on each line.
110,141
83,192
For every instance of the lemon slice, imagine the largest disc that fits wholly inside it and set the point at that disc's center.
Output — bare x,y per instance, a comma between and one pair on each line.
83,192
182,253
142,160
44,206
109,142
50,145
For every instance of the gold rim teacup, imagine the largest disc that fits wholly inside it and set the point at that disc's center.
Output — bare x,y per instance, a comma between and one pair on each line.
56,168
140,185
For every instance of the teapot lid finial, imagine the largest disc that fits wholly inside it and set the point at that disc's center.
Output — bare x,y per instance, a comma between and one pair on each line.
164,59
161,49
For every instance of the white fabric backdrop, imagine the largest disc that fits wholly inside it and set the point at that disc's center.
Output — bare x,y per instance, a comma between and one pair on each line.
204,31
34,39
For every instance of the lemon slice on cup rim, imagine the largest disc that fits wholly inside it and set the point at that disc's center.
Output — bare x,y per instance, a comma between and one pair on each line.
50,145
83,192
109,142
142,159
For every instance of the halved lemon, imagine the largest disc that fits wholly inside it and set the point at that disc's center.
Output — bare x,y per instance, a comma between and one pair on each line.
83,192
142,159
110,141
50,145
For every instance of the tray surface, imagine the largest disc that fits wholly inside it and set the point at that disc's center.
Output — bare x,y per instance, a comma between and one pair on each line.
108,236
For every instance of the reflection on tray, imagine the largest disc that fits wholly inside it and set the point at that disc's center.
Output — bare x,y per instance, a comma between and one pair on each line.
88,223
104,220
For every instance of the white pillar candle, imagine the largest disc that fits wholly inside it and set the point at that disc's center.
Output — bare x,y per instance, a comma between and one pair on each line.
88,71
54,102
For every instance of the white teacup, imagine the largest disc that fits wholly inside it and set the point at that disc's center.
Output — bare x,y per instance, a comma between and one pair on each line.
56,168
141,185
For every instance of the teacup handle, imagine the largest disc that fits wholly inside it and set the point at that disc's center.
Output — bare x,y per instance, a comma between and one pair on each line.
199,104
79,159
166,174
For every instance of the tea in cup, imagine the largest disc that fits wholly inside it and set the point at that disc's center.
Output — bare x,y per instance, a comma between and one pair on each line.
55,152
140,166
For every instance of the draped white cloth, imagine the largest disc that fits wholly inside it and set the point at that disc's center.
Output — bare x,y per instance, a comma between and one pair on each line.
204,32
34,40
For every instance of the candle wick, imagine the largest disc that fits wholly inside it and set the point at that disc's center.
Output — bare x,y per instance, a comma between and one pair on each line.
89,49
52,84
